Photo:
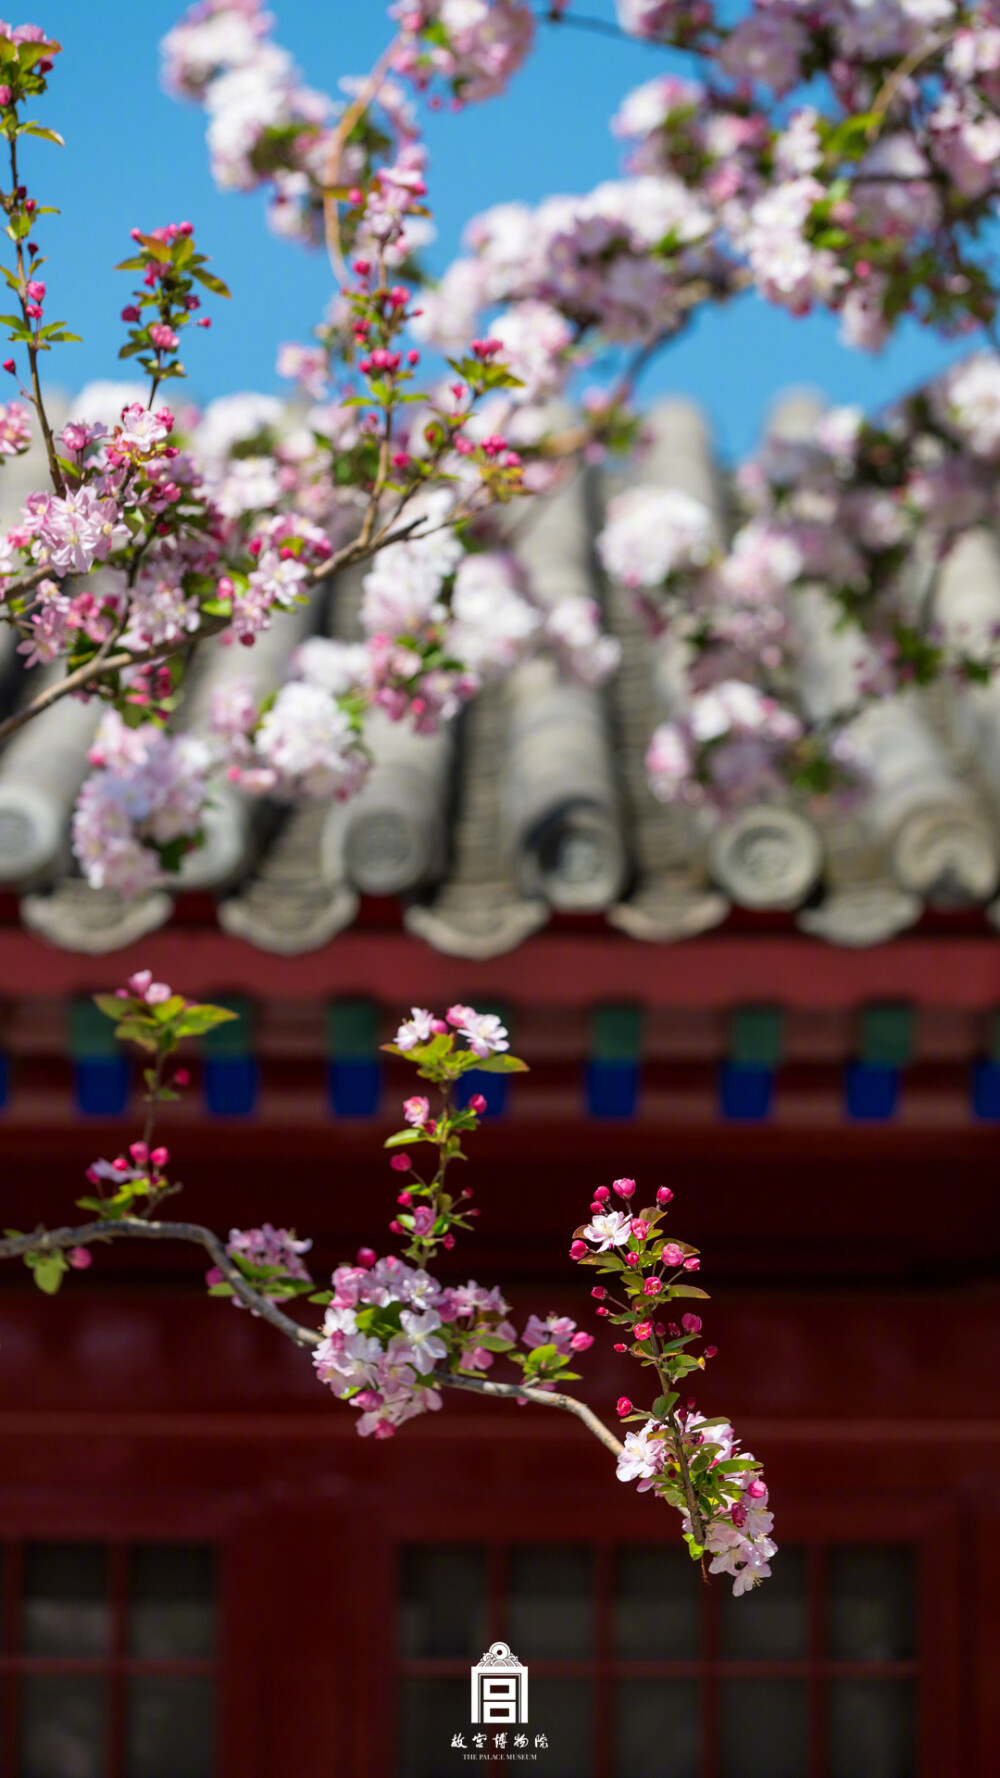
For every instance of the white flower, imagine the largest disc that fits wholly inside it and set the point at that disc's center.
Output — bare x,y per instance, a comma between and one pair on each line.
416,1029
420,1330
651,533
610,1230
484,1032
642,1456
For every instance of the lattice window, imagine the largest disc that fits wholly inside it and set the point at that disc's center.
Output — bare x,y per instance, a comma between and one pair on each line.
638,1670
107,1660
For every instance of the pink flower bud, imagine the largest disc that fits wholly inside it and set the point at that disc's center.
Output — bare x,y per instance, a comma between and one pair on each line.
710,1351
396,1228
80,1258
691,1323
639,1228
624,1406
399,1163
619,1347
181,1077
9,366
578,1250
160,1157
185,228
130,312
664,1195
366,1257
6,94
642,1330
599,1291
438,1026
692,1265
756,1489
602,1194
214,1276
602,1311
477,1104
139,1152
581,1341
120,1164
624,1187
449,1242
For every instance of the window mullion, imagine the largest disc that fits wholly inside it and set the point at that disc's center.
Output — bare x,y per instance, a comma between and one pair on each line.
605,1702
10,1700
117,1681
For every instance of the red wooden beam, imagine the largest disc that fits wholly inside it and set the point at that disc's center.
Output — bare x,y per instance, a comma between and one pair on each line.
554,969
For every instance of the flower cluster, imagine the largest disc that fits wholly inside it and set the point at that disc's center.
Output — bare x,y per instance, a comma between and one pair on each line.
473,45
387,1329
140,810
689,1460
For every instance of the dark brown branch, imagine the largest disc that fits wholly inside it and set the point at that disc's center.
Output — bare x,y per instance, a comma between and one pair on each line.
89,1233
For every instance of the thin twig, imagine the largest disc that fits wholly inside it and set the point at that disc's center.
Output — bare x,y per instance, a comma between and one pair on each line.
524,1392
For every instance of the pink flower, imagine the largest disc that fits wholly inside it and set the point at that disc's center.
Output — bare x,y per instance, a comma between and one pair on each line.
416,1110
163,337
144,988
423,1220
624,1187
691,1323
80,1258
643,1330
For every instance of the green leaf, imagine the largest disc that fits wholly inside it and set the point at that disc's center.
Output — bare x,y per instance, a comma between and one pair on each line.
221,1290
47,1269
494,1343
168,1009
497,1064
663,1404
130,1031
130,265
211,282
11,320
404,1137
35,129
110,1005
687,1290
30,53
60,338
158,249
204,1018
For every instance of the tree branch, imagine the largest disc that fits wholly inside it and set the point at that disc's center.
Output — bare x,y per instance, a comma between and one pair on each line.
95,668
88,1233
544,1399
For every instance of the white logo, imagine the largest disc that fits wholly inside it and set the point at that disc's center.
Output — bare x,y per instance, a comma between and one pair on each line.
499,1687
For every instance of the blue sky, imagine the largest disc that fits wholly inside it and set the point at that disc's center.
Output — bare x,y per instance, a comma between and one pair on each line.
133,156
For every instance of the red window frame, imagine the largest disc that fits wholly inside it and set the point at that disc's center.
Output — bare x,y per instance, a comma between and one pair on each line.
927,1523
